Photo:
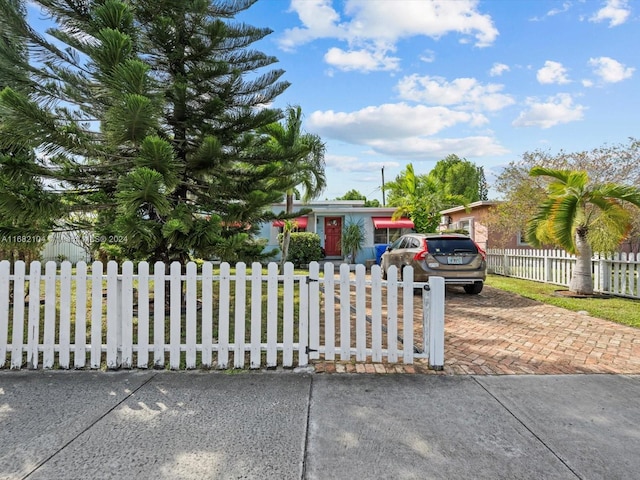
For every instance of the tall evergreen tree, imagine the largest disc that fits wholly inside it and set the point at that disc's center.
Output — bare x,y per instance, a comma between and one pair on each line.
145,112
25,213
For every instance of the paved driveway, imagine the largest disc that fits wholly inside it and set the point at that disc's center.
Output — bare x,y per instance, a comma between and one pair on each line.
498,332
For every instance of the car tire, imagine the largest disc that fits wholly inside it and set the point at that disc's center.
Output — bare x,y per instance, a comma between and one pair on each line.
474,288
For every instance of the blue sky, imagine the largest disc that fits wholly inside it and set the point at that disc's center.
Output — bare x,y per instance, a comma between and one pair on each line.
388,82
392,82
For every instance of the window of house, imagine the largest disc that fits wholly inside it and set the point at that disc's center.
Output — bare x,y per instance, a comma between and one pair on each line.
387,235
521,239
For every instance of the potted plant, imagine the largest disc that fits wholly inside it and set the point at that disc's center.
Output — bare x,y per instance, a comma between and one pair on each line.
352,239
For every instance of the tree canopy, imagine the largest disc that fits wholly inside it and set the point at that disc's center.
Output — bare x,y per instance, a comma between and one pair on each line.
522,193
356,195
421,197
144,113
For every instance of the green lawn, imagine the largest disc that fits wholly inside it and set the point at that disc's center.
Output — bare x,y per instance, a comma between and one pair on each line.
616,309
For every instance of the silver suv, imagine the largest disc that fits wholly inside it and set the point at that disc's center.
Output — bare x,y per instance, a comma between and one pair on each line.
455,257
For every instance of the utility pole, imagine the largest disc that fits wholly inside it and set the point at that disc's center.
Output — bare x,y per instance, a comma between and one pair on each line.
383,200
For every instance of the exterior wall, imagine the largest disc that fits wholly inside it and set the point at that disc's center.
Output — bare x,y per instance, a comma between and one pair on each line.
349,211
479,231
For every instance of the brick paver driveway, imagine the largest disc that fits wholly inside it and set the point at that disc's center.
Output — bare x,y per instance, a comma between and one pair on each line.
502,333
498,332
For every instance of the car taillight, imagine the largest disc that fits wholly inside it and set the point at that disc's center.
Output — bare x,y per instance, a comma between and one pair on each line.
481,251
422,254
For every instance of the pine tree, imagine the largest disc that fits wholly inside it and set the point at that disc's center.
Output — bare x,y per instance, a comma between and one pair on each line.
25,207
146,117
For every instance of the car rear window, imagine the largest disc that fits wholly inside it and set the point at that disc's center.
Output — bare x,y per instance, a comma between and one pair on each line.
448,246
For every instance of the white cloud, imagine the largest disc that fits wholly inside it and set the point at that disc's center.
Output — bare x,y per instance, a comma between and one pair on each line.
376,26
554,111
418,148
361,60
552,72
397,120
554,11
319,20
405,131
346,164
615,11
429,56
610,70
467,93
498,69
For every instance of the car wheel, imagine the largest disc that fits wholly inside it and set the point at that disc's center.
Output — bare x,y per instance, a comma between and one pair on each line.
474,288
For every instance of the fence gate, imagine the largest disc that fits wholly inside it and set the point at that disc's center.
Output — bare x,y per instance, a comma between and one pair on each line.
355,315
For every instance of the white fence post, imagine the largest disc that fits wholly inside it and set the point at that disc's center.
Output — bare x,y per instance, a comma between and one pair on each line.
436,323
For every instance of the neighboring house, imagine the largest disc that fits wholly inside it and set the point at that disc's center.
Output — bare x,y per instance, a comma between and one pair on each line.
473,219
329,217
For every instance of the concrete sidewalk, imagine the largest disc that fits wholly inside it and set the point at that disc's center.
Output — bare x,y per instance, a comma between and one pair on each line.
286,425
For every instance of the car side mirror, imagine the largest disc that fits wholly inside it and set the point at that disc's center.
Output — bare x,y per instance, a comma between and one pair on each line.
389,248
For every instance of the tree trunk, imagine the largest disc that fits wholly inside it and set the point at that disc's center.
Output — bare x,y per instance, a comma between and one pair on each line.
582,279
286,234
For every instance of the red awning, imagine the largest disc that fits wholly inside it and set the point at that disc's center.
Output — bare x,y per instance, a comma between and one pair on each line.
300,221
386,222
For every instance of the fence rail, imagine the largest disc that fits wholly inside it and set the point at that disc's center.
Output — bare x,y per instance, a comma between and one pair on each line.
615,274
182,317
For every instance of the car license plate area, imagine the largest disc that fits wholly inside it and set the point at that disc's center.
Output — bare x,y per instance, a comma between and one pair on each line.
454,260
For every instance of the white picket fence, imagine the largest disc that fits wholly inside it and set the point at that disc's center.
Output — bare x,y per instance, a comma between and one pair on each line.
205,319
616,274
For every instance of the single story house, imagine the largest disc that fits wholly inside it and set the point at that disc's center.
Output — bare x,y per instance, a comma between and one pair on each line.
472,218
329,217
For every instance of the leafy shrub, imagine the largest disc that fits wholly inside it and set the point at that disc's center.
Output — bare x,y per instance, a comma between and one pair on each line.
304,247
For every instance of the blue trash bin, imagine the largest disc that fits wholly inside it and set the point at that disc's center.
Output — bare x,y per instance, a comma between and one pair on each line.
380,249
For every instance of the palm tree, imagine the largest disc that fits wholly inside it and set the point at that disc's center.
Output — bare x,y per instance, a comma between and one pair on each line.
304,165
580,216
421,198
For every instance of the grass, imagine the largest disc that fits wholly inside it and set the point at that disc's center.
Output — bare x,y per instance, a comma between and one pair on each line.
620,310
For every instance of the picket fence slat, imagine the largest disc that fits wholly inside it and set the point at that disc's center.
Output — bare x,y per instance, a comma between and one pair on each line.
33,335
18,314
48,354
191,311
143,315
125,316
239,317
80,322
329,313
256,315
392,313
615,274
4,309
272,315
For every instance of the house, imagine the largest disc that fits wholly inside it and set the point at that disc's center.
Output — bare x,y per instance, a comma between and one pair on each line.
473,219
329,217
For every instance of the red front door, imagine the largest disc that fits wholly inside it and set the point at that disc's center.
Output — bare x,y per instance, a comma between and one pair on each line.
332,234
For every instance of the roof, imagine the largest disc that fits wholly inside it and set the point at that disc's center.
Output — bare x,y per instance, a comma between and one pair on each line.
481,203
